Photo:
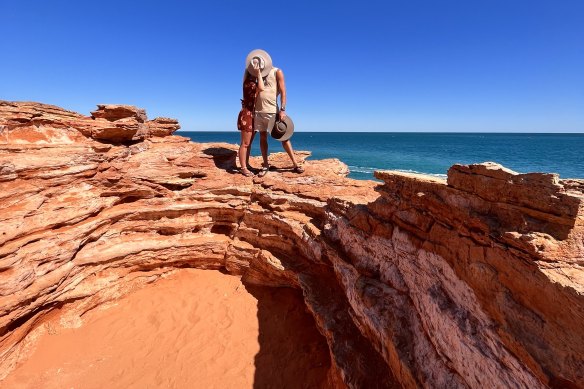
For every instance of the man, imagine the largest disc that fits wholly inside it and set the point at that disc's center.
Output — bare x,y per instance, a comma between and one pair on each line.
266,107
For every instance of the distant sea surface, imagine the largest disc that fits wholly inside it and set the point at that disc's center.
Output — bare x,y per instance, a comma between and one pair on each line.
431,153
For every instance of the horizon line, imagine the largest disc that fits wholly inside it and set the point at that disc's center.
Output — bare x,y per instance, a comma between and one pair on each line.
411,132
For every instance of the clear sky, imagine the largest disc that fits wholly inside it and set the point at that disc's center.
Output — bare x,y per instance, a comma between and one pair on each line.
408,65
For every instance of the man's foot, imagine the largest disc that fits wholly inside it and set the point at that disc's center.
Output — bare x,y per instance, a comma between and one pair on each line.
264,171
298,169
246,172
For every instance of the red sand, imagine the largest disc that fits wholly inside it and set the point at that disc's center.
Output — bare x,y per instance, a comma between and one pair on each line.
194,329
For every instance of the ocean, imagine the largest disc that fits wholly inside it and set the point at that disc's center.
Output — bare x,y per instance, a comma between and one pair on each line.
431,153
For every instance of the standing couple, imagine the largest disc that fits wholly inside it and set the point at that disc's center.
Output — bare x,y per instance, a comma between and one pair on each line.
262,83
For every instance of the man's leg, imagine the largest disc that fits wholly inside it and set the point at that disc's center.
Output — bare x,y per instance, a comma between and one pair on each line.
261,125
264,147
287,145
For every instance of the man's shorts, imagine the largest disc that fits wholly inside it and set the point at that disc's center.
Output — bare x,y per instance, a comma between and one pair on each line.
261,121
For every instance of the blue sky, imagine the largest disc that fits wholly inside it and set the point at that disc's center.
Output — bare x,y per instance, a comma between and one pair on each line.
409,65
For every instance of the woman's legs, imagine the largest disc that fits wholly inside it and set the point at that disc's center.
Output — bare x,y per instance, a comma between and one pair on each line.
249,149
244,148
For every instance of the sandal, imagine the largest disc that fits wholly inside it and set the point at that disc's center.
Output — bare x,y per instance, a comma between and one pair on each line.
298,169
264,171
246,172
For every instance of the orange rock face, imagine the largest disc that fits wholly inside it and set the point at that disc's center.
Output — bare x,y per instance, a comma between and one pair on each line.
47,124
476,281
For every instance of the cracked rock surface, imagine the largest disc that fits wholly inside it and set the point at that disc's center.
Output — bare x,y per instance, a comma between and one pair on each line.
472,281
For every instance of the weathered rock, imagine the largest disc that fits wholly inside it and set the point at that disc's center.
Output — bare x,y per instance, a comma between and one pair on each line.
415,282
161,127
114,112
22,123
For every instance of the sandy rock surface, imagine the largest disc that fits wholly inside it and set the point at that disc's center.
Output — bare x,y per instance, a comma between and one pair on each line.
414,281
192,328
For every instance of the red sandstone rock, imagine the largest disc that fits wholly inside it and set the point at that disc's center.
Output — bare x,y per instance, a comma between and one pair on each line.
41,123
416,282
161,127
115,112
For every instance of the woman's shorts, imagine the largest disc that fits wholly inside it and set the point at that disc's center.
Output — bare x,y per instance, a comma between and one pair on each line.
245,120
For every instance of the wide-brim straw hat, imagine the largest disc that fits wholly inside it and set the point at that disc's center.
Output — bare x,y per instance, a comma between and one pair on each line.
264,59
281,130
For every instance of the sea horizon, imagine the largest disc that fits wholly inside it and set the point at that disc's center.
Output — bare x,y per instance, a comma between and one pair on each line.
413,132
430,152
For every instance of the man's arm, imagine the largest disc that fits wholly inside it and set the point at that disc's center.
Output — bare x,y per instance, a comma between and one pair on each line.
261,87
282,88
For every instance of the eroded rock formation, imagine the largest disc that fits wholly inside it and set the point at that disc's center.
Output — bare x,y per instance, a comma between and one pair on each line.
476,281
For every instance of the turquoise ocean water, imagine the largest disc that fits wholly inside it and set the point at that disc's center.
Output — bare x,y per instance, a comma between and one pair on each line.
431,153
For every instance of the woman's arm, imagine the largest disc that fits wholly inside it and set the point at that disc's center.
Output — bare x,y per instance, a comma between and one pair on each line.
282,88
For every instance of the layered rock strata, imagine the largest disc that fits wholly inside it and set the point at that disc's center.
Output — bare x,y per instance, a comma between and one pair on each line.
42,123
475,281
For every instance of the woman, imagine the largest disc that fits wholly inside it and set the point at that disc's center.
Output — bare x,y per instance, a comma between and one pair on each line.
251,86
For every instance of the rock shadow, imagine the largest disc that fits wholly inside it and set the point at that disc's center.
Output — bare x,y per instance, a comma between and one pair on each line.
223,157
293,354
